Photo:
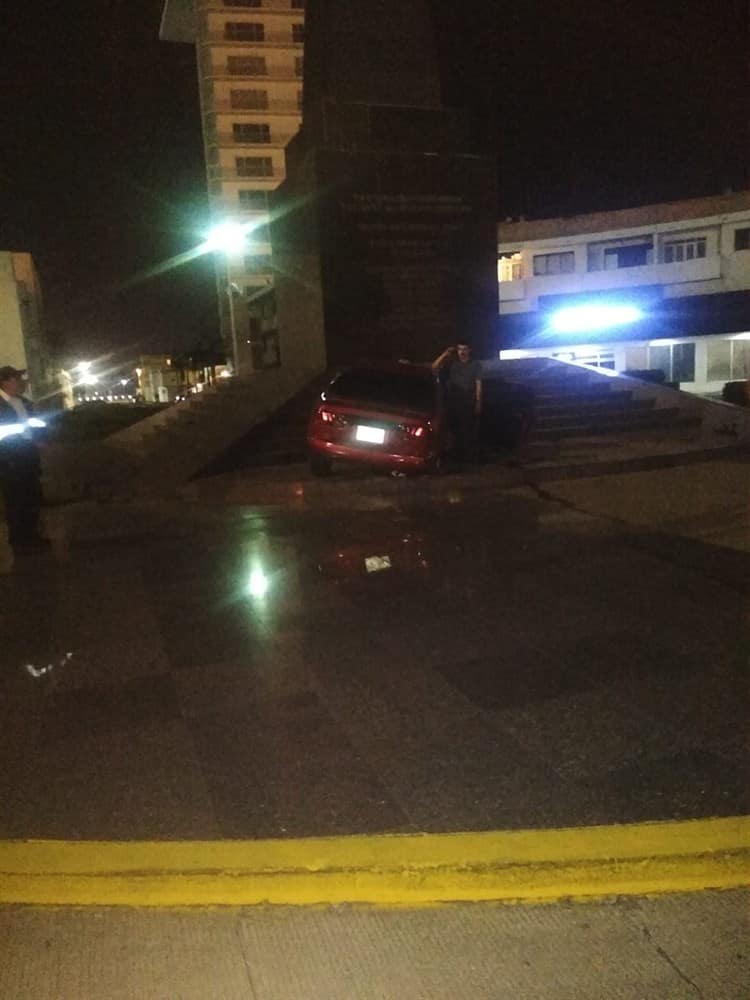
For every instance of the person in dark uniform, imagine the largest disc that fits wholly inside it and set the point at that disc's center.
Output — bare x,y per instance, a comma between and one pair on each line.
20,465
462,381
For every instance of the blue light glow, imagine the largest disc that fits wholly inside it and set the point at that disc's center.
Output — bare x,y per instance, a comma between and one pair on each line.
580,319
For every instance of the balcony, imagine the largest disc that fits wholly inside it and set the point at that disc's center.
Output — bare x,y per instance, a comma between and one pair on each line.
668,276
271,39
227,141
261,180
274,107
279,74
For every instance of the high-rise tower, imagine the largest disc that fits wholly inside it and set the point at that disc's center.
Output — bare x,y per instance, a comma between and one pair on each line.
250,70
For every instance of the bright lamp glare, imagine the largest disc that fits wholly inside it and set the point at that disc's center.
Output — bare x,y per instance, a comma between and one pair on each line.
579,319
227,237
258,586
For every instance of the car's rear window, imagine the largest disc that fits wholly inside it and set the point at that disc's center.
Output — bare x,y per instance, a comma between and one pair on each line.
392,389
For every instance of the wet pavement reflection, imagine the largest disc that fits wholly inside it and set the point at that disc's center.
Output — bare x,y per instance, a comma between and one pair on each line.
192,670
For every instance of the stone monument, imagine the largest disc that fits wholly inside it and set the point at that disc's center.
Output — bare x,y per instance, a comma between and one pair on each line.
384,232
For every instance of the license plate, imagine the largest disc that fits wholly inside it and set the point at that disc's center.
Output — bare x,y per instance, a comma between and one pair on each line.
373,435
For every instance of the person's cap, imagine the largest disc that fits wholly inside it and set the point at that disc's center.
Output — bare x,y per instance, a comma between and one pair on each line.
8,371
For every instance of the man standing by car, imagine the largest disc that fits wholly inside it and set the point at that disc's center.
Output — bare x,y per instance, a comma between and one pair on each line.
20,466
463,397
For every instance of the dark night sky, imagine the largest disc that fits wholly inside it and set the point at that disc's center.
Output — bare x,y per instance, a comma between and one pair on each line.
596,105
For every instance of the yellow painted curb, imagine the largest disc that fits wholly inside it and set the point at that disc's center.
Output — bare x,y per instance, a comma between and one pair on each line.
521,865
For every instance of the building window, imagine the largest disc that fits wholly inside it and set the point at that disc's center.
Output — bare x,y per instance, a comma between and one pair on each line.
677,251
298,33
628,251
243,3
635,255
742,239
509,267
590,356
251,132
258,263
683,362
253,201
555,263
677,361
253,99
719,367
299,65
728,360
247,65
244,31
741,359
254,166
260,234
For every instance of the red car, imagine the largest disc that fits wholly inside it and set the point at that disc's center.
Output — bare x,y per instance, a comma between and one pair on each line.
386,416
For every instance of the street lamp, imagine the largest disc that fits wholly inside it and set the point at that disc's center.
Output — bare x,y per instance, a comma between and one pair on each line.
229,238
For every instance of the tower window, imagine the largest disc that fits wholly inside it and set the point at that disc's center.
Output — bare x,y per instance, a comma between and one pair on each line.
253,99
247,65
251,132
254,166
244,31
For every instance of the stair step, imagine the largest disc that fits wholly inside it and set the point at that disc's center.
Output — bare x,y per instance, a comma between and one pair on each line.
604,416
584,428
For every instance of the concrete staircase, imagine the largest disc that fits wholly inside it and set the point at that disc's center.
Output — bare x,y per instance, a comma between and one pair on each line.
581,410
582,417
158,454
278,440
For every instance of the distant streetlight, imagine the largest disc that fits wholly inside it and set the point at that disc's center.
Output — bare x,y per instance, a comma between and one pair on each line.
229,238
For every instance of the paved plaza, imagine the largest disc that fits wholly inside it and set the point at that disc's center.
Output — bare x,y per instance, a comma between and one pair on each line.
372,659
272,657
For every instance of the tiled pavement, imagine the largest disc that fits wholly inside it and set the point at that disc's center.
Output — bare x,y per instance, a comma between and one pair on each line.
518,663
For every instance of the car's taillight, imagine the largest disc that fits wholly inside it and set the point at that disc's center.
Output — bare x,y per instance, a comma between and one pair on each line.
326,416
414,430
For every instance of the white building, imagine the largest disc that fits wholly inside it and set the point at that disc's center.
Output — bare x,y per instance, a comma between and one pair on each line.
22,340
250,70
658,287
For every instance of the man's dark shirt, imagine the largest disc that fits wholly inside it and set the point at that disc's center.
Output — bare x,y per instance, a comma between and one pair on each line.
462,379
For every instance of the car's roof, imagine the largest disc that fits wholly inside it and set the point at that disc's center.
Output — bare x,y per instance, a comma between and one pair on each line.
389,367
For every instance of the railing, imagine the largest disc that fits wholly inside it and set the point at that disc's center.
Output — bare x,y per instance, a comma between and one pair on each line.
273,107
225,139
704,269
231,174
275,73
270,38
214,7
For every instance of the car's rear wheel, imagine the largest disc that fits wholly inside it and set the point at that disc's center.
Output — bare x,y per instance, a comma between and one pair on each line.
436,465
320,465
